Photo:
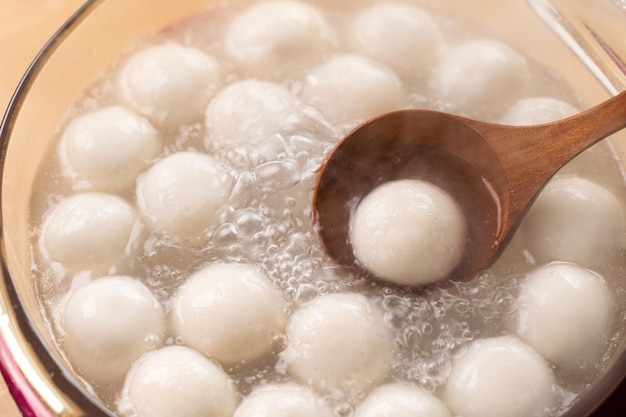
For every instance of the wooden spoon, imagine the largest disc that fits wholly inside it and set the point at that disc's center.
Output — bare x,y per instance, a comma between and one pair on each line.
494,171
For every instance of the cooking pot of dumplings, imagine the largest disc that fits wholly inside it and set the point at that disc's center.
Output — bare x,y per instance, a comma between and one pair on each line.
159,253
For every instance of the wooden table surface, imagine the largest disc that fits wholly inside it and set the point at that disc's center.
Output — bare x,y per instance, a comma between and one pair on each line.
25,26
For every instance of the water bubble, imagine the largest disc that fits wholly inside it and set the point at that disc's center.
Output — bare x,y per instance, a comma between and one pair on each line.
237,157
249,222
281,340
272,249
242,191
458,347
225,234
271,148
290,294
426,329
411,337
299,244
152,341
462,307
487,310
322,287
305,144
277,175
439,344
427,384
344,409
306,293
235,254
439,308
308,267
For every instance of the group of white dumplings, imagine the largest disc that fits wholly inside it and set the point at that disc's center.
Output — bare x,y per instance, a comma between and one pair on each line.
339,342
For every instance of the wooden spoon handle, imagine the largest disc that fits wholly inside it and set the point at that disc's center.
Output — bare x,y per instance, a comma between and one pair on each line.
530,155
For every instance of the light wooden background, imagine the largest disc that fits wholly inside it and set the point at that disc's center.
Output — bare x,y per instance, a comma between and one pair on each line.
25,26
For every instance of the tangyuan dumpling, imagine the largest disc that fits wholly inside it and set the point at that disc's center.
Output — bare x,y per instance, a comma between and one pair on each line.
178,381
401,400
276,38
169,83
339,342
283,400
498,377
107,324
409,232
537,110
481,76
181,195
89,231
574,220
401,36
565,312
352,88
247,112
230,312
108,148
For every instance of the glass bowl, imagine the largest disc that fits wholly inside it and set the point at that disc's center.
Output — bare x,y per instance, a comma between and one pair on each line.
580,39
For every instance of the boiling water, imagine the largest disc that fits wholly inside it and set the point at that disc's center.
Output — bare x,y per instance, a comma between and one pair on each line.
267,222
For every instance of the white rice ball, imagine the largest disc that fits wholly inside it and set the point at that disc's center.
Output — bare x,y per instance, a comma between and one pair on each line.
352,88
273,39
107,324
178,381
283,400
537,110
574,220
247,112
339,342
400,400
230,312
169,83
181,195
565,313
400,36
108,148
89,231
409,232
481,76
497,377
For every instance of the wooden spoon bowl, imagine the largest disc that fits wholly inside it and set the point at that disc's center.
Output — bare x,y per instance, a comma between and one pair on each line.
493,171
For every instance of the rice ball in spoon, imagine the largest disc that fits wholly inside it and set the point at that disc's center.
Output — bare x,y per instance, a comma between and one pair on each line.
409,232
